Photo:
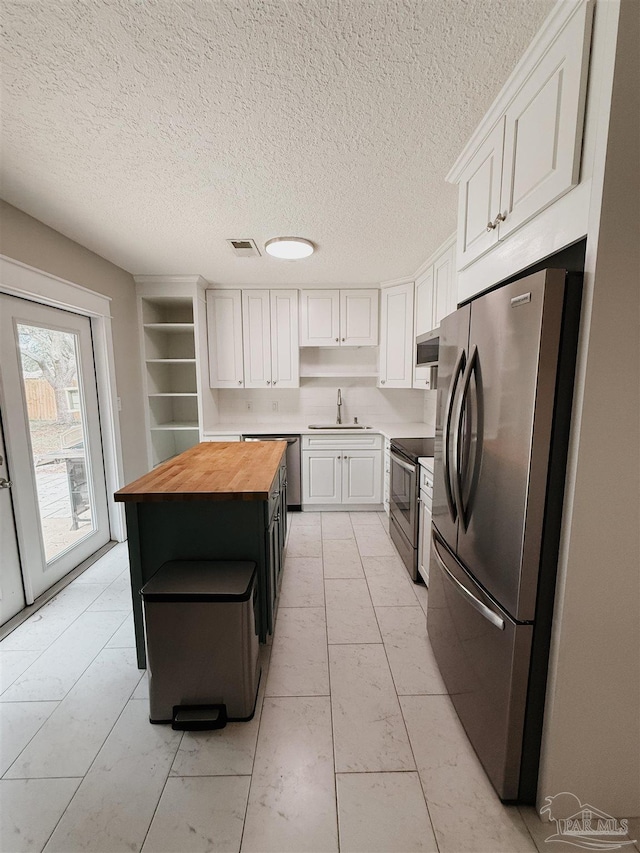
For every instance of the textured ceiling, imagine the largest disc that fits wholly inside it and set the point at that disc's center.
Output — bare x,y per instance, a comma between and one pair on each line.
151,130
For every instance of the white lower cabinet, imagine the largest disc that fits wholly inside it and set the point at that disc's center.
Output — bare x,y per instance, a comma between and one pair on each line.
387,475
424,522
341,470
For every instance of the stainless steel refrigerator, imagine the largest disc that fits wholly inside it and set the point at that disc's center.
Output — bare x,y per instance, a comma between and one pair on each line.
505,380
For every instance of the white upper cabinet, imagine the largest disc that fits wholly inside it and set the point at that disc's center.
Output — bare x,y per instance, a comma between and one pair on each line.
424,302
320,318
253,338
285,354
332,318
436,295
270,326
256,322
359,318
397,340
479,198
445,296
543,130
526,153
224,337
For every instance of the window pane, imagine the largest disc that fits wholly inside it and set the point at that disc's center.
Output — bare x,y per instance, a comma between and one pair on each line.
56,413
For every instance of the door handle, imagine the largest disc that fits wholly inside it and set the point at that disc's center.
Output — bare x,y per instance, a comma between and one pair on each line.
453,387
471,369
482,609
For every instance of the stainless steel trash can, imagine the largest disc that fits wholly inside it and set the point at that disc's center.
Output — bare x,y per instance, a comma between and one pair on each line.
202,642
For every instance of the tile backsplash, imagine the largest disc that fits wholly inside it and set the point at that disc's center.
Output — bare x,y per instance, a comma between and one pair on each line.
315,401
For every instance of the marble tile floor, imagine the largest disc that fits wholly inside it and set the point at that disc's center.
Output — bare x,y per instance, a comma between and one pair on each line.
354,745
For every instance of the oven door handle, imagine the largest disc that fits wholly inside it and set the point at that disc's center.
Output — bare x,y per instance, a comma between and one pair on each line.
407,467
482,609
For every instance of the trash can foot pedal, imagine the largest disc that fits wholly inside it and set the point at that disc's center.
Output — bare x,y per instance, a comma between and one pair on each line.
199,717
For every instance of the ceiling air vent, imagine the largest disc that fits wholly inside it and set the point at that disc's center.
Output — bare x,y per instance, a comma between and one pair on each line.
244,248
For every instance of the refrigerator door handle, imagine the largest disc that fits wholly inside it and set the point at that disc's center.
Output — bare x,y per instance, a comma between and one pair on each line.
453,387
482,609
472,369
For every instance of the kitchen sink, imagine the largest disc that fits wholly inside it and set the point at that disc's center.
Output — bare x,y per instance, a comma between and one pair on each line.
338,426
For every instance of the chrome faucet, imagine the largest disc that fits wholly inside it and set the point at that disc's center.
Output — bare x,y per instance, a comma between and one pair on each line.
339,417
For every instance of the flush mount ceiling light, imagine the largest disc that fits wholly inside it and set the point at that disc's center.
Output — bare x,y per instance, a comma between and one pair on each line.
289,248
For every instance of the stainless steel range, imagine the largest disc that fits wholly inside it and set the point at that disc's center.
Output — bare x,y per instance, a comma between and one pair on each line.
403,497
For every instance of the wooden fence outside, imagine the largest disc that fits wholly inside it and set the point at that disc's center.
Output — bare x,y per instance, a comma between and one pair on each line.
41,400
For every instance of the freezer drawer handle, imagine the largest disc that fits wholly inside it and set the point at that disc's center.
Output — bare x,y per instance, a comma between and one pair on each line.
482,609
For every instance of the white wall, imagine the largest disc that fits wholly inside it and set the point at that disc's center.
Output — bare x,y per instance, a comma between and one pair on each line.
315,402
591,740
25,239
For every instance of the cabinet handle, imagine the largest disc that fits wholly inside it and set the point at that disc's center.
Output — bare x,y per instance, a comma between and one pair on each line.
268,382
499,218
274,381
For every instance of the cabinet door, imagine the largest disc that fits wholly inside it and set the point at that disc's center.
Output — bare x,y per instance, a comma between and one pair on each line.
224,338
479,198
543,133
285,353
320,318
423,322
424,539
274,557
321,477
361,477
257,338
397,342
359,318
444,286
424,303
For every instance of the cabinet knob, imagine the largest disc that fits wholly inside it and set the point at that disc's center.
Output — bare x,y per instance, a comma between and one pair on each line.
344,339
382,381
268,382
239,381
337,340
499,218
274,381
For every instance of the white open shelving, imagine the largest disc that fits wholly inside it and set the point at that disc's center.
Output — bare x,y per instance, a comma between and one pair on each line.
169,351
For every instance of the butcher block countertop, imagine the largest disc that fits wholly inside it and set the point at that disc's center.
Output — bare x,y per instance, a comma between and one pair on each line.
211,471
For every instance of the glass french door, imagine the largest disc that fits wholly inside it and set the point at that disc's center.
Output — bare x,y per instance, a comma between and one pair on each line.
52,435
11,588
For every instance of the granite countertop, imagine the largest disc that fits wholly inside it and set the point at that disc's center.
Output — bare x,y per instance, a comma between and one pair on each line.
212,471
414,429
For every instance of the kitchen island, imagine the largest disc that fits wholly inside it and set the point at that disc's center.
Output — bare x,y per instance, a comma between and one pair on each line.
215,501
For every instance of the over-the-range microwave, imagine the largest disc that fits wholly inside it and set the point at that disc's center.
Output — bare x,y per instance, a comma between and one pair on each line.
427,346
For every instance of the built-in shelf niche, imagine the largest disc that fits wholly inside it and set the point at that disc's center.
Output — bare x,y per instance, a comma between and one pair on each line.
168,443
168,341
338,361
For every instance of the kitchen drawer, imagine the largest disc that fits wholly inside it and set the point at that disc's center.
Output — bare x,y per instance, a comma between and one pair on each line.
370,441
426,479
